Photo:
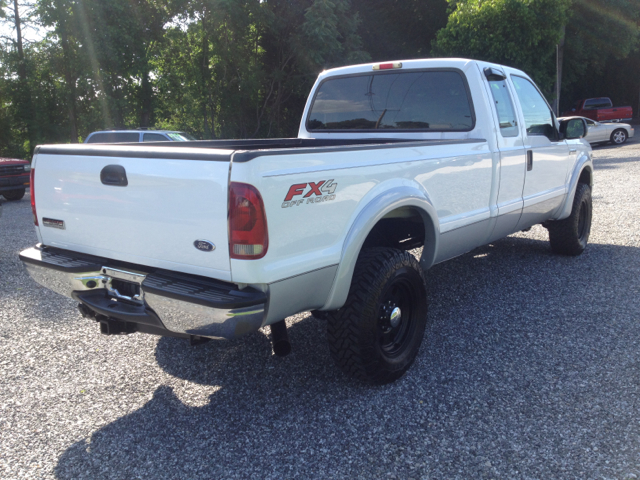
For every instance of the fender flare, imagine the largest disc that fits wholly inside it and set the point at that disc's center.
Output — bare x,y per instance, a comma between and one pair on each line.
368,217
584,163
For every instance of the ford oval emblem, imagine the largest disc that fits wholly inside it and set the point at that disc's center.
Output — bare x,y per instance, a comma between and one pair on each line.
204,245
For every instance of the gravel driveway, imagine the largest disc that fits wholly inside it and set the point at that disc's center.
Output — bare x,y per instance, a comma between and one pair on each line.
530,368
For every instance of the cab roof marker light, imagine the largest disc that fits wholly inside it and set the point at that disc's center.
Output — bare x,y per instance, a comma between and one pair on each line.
387,66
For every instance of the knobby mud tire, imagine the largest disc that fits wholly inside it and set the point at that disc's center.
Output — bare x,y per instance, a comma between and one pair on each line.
570,236
364,344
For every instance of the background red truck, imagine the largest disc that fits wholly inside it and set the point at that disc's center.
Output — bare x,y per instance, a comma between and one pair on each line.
14,177
600,109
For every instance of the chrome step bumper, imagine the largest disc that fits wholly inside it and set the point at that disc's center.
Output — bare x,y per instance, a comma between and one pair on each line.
180,303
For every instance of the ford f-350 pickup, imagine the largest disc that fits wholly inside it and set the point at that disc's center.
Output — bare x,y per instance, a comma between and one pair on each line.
216,239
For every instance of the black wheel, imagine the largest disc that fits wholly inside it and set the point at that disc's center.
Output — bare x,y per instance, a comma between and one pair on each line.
619,136
376,335
570,236
13,195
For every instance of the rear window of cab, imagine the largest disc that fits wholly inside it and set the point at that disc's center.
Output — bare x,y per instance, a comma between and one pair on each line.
424,100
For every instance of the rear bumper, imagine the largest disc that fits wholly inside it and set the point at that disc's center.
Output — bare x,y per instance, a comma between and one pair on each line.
13,182
165,302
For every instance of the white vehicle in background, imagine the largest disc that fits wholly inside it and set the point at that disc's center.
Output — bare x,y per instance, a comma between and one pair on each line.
140,135
605,132
216,239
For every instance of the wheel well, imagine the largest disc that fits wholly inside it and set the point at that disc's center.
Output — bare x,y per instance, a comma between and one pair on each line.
405,228
585,177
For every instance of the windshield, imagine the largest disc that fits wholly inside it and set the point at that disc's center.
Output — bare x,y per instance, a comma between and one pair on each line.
433,100
180,136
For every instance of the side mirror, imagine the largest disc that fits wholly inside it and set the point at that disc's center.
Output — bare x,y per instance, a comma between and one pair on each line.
573,128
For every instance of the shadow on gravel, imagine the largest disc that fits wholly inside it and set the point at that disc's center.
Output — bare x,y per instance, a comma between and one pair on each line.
613,162
528,369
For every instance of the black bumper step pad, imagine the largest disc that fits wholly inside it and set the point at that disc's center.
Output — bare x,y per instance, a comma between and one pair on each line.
58,260
202,291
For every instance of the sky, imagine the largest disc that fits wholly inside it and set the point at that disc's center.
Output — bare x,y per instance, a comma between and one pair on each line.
30,32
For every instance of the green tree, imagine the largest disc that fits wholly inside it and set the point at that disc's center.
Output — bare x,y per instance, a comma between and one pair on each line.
600,35
519,33
300,39
399,29
245,67
20,92
210,61
121,37
60,15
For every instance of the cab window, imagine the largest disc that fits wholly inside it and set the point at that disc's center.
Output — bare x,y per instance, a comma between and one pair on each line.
595,103
504,107
538,118
430,100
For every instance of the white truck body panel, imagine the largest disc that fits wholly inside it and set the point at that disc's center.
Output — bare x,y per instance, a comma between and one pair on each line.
305,237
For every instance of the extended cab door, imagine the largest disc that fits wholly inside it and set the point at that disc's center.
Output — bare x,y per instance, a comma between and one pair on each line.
510,142
548,157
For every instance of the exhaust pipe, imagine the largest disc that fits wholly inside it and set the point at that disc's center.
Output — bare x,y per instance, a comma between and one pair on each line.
280,339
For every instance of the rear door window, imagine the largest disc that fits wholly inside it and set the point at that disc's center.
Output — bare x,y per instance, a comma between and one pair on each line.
434,100
504,107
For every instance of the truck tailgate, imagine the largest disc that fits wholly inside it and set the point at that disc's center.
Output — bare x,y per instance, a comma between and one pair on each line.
155,217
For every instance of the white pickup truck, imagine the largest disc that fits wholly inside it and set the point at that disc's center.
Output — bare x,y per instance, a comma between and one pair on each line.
216,239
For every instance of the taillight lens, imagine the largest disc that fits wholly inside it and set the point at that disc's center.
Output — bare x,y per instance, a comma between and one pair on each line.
248,236
33,196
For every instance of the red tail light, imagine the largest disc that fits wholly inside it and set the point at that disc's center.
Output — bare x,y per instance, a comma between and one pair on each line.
33,197
248,236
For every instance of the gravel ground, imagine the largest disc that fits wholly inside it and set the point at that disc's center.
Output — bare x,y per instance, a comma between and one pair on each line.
530,368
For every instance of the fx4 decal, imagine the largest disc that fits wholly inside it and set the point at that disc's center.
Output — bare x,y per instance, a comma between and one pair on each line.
322,191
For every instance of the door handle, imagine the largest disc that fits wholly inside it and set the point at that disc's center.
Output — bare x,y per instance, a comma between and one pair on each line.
573,150
529,160
114,175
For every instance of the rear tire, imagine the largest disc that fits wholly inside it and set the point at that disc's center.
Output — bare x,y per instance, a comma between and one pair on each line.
376,335
570,236
13,195
619,136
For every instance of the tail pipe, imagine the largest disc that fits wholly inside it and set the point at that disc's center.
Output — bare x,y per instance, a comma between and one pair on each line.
280,339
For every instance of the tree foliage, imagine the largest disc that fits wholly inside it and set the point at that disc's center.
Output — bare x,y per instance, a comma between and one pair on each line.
400,29
601,38
519,33
243,68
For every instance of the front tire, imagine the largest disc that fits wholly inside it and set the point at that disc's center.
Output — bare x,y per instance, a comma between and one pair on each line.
570,236
13,195
619,136
376,335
